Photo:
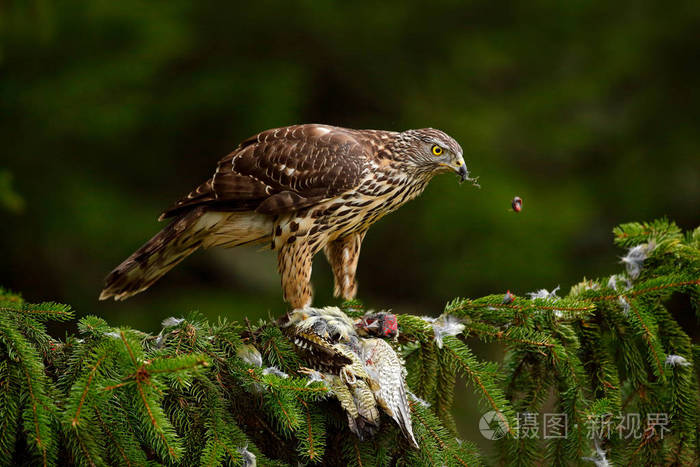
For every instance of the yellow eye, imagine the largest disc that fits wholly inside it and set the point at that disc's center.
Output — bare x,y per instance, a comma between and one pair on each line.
437,150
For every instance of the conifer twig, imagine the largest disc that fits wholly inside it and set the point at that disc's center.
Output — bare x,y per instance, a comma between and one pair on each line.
39,441
87,387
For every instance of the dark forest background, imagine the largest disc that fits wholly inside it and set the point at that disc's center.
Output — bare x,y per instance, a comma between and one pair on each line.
110,111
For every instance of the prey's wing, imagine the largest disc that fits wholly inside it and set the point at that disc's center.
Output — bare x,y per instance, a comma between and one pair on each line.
385,367
321,353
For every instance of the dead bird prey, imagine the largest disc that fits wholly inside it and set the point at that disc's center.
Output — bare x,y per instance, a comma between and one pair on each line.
364,373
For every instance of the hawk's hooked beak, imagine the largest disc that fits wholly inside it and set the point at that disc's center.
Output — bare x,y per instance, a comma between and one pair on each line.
462,172
461,169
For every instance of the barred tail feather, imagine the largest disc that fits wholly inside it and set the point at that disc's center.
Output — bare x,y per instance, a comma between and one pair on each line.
194,229
158,256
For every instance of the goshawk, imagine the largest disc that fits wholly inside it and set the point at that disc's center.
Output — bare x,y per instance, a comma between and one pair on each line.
298,189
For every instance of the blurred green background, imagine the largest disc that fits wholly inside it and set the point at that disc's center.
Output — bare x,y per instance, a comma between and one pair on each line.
110,111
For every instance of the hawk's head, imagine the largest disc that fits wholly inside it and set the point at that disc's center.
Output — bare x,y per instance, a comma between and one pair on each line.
432,151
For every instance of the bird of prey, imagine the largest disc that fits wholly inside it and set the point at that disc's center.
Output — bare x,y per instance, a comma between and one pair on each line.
296,189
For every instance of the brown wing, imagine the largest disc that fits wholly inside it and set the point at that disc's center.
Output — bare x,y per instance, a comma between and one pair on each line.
282,170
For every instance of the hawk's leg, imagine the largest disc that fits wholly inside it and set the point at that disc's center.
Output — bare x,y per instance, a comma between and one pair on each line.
343,255
294,265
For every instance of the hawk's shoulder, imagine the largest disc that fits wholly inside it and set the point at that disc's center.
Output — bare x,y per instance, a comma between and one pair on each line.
288,168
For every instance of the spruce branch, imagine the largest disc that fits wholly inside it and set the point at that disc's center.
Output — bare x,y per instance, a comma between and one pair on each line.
226,394
484,377
47,311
